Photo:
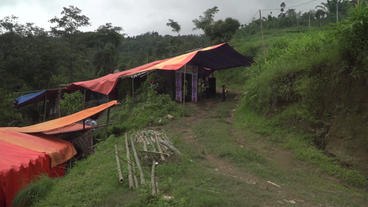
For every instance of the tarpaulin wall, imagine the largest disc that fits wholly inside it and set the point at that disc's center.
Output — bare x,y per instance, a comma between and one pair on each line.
18,166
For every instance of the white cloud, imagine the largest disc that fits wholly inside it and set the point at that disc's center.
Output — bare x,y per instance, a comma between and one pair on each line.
140,16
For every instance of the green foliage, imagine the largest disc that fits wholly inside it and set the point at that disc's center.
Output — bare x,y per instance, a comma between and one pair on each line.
67,27
222,31
174,25
205,20
280,79
148,107
351,34
72,103
9,115
34,191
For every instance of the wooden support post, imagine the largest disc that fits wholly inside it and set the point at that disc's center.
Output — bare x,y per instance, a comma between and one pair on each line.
264,47
44,111
107,123
84,99
59,101
184,86
84,125
133,87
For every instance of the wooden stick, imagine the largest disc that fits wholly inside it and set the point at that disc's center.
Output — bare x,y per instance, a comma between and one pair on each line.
159,153
135,177
143,181
130,177
156,183
159,148
145,147
150,141
167,139
121,179
172,148
153,182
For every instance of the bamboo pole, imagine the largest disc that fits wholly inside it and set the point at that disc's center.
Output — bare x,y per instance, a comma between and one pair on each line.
84,99
166,139
185,68
143,181
135,176
156,183
264,47
153,182
45,103
84,125
171,147
158,153
151,143
159,148
59,94
144,146
121,179
130,176
107,123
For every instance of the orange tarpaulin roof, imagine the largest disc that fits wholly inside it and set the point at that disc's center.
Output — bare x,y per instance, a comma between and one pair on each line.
216,57
63,121
59,150
68,129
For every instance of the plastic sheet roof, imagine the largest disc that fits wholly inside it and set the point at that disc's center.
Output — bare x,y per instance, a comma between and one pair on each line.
63,121
216,57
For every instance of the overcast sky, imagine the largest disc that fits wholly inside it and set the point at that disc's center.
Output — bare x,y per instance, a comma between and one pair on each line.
140,16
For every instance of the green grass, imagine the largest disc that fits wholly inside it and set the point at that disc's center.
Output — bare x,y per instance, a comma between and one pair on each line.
34,191
194,180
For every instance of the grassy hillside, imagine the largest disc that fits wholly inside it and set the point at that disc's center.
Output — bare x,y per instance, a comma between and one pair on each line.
293,134
224,163
312,83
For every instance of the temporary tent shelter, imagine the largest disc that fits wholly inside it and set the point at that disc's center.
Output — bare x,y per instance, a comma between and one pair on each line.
217,57
29,151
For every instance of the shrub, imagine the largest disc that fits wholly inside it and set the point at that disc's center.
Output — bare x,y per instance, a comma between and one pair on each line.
72,103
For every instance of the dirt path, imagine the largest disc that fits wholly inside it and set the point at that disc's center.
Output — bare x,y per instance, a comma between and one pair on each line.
291,171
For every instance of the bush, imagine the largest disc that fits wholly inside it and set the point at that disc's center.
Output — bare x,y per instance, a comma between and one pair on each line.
9,116
147,109
352,34
72,103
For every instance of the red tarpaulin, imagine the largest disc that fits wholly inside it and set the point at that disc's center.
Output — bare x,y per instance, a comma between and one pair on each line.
217,57
18,165
59,150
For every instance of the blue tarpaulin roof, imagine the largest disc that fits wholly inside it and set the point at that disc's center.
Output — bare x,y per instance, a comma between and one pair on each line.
29,98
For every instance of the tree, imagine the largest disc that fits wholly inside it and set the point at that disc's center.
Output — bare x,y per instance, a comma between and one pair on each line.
108,33
174,25
205,20
67,27
222,31
28,59
106,40
9,116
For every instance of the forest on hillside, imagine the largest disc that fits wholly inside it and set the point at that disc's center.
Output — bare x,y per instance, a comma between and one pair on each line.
34,58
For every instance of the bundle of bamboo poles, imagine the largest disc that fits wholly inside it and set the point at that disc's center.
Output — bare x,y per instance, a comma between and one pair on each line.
146,147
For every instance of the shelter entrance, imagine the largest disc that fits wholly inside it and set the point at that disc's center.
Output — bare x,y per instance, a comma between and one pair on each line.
186,83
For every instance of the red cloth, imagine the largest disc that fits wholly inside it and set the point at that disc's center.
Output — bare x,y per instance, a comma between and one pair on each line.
58,171
18,166
59,150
